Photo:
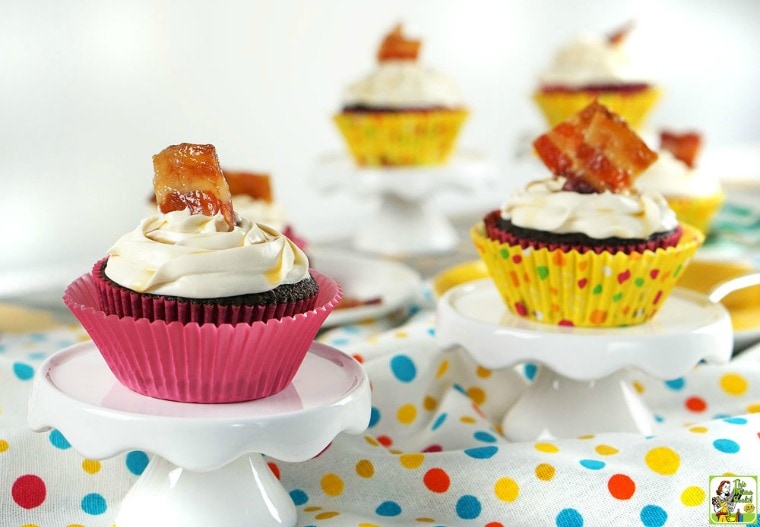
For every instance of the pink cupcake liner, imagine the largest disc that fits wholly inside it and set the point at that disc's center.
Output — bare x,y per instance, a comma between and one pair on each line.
498,234
201,363
123,302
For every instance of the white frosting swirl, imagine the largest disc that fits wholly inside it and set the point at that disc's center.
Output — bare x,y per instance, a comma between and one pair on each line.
259,210
191,256
543,205
672,177
589,61
403,84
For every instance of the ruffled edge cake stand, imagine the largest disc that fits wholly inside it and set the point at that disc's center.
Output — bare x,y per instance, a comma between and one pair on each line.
581,387
207,467
405,223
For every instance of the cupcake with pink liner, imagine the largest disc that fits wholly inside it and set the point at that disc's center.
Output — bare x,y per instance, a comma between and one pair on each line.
200,304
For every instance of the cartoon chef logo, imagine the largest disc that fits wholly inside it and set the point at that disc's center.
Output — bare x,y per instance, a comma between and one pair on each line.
733,499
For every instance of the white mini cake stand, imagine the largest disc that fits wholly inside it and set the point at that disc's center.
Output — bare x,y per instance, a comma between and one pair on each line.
208,467
405,223
581,387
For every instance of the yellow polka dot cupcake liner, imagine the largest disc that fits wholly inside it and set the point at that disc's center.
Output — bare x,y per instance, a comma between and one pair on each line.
401,138
633,107
589,289
697,211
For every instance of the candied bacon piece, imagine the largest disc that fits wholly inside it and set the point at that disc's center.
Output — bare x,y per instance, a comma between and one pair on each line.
619,35
594,149
685,146
395,46
256,185
188,176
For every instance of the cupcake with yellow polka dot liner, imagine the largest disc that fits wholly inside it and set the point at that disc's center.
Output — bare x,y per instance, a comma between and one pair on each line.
402,113
694,194
593,67
584,247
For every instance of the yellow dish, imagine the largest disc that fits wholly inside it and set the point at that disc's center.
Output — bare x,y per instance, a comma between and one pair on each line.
700,275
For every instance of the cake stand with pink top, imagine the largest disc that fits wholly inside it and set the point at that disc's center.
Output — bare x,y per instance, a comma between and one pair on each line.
406,222
207,466
582,386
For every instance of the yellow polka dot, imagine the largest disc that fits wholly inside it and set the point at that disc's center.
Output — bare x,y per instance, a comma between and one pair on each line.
544,472
663,460
753,408
75,525
547,448
733,384
506,489
365,468
606,450
30,525
401,334
692,496
442,369
371,440
91,466
4,445
467,420
362,524
326,515
312,509
638,387
332,485
424,520
482,372
406,414
591,436
412,461
429,403
477,395
698,429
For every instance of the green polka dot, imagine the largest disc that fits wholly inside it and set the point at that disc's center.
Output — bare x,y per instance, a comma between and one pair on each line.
617,297
505,253
677,271
542,271
639,282
597,289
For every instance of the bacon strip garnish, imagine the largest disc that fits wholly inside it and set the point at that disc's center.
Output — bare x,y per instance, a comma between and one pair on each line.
255,185
685,146
395,46
188,176
595,150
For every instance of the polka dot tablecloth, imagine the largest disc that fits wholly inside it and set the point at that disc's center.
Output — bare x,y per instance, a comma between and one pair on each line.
434,453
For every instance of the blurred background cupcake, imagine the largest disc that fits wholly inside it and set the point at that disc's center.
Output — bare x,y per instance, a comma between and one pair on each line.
595,67
402,113
695,195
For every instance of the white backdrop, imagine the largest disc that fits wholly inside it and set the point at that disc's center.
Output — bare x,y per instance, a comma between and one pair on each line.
90,90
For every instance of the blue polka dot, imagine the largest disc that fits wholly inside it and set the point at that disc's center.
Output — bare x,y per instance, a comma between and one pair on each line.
676,384
374,416
530,371
38,337
481,452
136,461
658,418
458,387
484,436
388,508
726,445
569,518
721,416
468,507
439,421
351,329
403,368
94,504
431,332
736,420
593,464
23,371
299,497
58,441
340,342
37,355
653,516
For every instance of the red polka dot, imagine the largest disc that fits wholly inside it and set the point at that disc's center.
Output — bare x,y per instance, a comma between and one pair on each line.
696,404
517,258
521,309
494,524
653,273
275,469
433,448
358,358
625,275
437,480
657,297
621,487
385,441
582,283
29,491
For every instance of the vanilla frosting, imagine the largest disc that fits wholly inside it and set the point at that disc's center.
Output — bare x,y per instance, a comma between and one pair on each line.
259,210
191,256
543,205
403,84
589,61
672,177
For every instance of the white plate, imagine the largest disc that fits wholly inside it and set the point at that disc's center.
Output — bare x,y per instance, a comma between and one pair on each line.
363,277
